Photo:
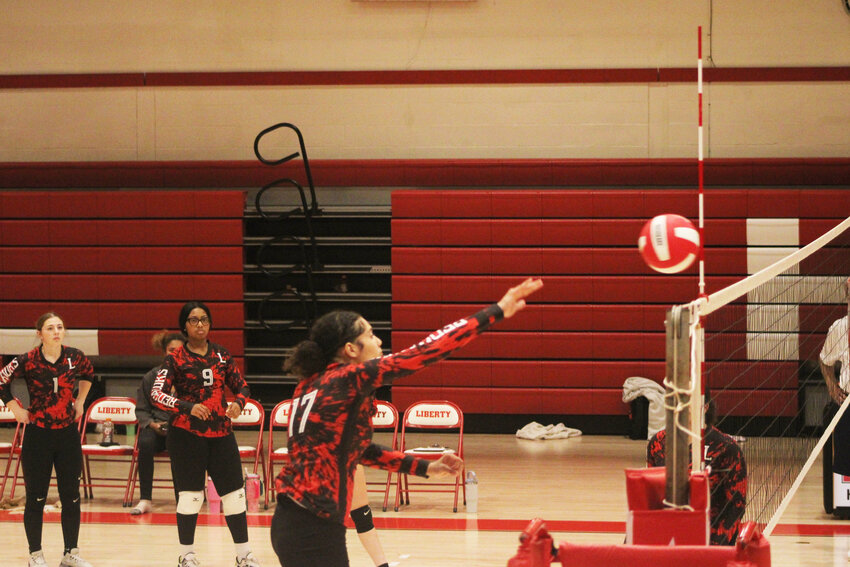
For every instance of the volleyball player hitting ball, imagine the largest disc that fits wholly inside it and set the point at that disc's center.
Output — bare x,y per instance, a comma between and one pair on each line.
340,366
200,436
52,438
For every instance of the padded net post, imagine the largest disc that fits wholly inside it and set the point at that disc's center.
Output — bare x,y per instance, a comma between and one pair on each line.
677,403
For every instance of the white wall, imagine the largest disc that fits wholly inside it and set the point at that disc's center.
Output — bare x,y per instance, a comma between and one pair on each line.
440,121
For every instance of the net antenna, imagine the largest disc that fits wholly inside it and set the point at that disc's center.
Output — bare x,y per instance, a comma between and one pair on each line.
700,168
697,449
755,345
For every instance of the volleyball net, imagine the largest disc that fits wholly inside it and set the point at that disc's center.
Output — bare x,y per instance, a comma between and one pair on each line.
753,348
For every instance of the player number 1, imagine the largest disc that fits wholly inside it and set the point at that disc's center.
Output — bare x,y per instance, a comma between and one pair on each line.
55,385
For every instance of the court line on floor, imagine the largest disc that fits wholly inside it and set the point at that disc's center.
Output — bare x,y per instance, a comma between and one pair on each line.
461,523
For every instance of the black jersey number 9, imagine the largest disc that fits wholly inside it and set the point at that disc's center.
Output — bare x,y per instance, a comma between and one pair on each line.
305,400
208,377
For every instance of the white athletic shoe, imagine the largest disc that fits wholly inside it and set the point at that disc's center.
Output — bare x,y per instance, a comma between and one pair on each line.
73,559
37,559
143,507
247,561
188,560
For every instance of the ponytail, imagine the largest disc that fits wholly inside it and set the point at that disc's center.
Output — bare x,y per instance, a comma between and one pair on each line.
328,334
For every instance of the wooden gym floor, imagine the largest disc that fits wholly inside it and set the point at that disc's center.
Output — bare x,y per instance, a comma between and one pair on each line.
576,485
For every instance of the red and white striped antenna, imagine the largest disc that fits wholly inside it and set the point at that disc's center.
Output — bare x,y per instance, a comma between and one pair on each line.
700,167
697,403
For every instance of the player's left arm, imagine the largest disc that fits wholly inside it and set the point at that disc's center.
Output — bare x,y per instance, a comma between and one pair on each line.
377,456
440,344
433,348
236,383
380,457
85,375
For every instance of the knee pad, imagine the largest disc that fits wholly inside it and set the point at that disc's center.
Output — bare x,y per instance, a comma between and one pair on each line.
233,502
189,502
362,518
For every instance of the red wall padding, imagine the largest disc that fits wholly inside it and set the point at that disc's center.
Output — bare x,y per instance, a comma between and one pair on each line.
667,290
546,232
600,317
118,315
120,288
534,373
123,262
133,260
593,317
122,204
120,342
619,203
551,346
120,232
545,261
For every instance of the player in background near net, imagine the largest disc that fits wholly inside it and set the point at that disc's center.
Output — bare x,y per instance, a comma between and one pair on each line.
52,438
153,422
340,367
727,477
836,349
200,435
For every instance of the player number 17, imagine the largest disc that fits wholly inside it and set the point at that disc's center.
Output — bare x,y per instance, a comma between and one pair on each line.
305,400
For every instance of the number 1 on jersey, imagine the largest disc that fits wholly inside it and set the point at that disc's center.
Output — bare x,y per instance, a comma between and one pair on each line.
306,400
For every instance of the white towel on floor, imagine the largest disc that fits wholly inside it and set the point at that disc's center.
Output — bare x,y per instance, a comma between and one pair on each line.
539,431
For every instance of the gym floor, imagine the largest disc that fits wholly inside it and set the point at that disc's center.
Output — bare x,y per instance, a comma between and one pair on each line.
576,485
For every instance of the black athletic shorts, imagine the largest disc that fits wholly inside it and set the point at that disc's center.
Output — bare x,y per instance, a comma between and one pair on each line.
193,456
302,539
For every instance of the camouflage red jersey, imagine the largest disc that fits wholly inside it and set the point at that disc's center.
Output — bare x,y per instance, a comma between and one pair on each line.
330,430
198,379
50,385
727,478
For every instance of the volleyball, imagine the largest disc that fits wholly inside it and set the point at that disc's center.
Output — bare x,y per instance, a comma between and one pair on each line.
669,243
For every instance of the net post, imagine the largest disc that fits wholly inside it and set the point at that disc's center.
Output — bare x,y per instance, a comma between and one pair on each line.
678,419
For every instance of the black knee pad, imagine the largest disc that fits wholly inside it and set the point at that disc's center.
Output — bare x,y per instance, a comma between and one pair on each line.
362,518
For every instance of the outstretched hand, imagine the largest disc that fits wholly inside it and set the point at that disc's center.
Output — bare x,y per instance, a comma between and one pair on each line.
447,465
514,299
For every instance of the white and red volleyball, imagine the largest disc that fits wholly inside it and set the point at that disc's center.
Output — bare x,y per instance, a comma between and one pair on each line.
669,243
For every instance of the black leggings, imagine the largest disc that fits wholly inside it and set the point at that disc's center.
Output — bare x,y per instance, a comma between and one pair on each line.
192,456
150,443
302,539
41,451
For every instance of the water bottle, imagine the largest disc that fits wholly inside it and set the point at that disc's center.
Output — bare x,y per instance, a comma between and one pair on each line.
213,499
471,493
252,492
107,433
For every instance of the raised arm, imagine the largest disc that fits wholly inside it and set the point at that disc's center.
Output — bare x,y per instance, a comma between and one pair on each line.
440,344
